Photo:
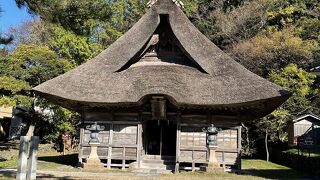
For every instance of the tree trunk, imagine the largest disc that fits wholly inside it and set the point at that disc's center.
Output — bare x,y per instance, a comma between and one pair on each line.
266,143
247,148
31,116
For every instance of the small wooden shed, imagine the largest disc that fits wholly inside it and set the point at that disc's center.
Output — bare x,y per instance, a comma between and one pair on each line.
306,126
156,87
5,118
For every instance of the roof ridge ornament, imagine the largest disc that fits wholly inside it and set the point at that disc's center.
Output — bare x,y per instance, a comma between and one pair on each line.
177,2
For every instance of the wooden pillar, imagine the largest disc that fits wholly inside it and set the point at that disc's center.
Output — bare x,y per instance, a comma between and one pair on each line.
193,163
80,146
139,142
239,147
110,146
123,158
178,143
223,159
160,138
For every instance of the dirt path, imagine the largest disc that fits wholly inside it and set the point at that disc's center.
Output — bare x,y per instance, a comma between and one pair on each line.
46,174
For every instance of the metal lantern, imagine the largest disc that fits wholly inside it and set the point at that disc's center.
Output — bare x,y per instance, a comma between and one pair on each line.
17,125
94,128
212,133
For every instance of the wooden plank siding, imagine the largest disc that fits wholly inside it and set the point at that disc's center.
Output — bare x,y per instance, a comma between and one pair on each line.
119,141
122,140
193,147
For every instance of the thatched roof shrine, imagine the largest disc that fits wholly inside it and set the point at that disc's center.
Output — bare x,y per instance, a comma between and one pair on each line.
164,54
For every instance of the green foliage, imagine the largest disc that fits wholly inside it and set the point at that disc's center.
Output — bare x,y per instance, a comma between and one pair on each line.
299,83
12,84
286,12
5,40
55,123
10,89
304,99
36,64
309,28
273,51
70,46
26,67
71,14
294,79
99,21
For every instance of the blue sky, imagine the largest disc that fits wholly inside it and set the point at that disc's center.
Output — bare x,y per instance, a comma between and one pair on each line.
11,15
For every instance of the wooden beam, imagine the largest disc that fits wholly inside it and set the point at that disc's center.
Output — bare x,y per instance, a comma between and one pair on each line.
125,114
193,125
195,148
123,145
114,122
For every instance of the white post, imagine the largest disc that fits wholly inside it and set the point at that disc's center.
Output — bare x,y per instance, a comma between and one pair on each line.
23,158
33,156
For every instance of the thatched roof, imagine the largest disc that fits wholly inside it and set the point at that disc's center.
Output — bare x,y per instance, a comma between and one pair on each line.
198,74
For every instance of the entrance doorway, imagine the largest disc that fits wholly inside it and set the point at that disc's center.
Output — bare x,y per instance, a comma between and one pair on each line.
160,138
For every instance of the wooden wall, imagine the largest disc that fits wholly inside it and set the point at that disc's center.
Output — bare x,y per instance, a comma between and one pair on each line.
192,142
121,141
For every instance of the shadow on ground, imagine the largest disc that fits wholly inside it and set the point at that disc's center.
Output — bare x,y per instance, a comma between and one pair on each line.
7,175
49,176
69,159
278,174
12,175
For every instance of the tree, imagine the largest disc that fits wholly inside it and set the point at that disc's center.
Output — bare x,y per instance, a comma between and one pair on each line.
275,50
65,44
273,128
288,12
26,67
300,83
99,20
227,22
5,40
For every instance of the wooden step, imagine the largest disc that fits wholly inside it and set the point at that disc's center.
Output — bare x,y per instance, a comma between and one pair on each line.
152,171
158,161
158,157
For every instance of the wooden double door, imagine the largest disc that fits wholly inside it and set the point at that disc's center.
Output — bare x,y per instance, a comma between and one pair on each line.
160,138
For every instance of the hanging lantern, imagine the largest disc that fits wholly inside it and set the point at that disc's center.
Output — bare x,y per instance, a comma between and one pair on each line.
158,105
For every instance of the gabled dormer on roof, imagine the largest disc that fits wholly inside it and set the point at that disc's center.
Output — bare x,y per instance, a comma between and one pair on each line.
162,48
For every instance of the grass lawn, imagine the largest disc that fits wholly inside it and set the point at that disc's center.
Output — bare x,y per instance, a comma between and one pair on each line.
315,152
269,170
53,161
